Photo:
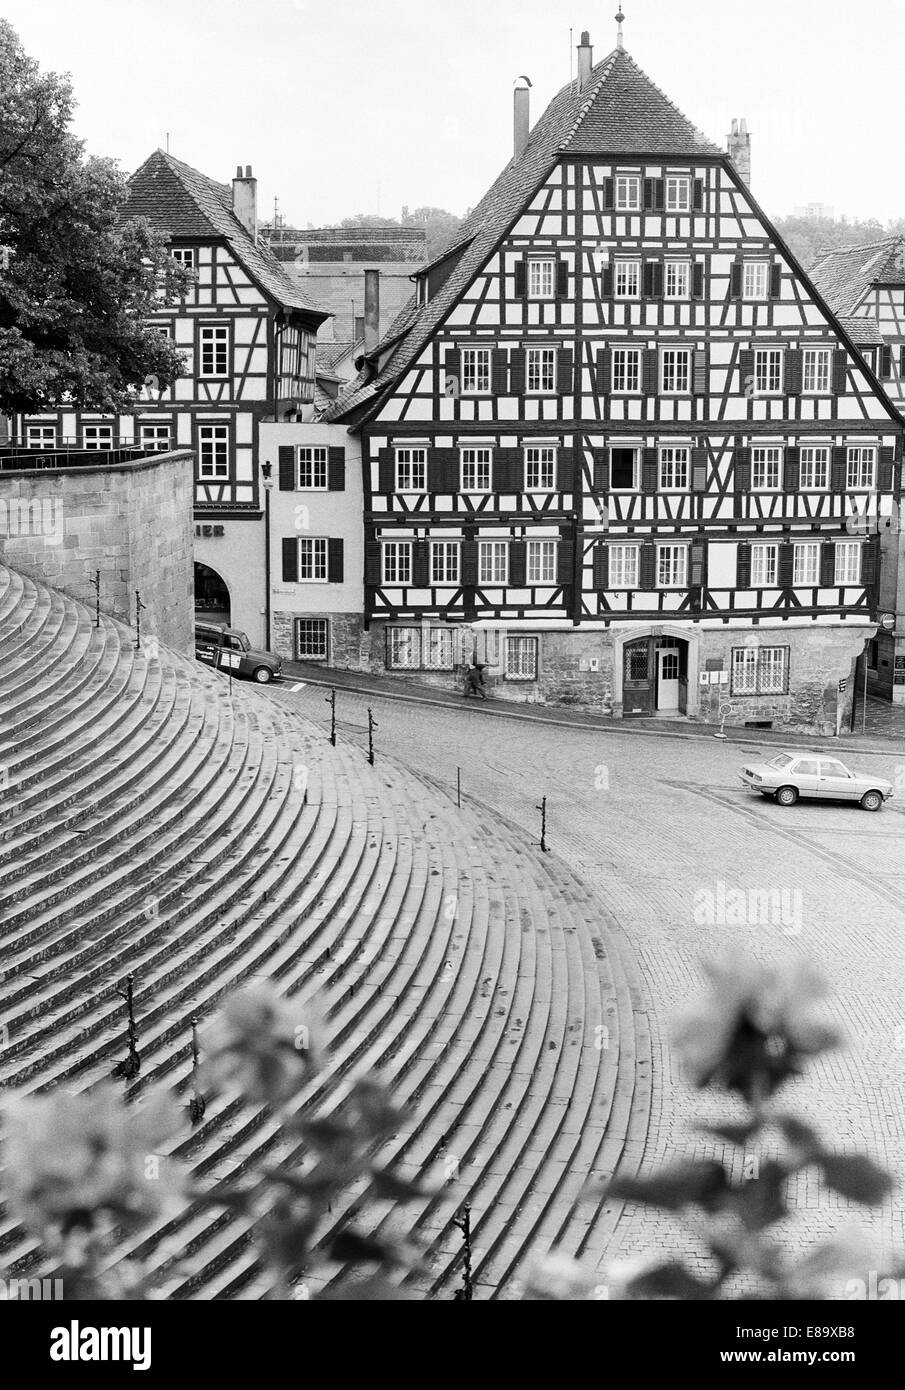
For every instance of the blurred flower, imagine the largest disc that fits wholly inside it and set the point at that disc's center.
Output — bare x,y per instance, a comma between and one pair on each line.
71,1159
261,1044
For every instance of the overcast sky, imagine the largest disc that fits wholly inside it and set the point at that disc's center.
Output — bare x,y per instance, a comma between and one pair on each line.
339,103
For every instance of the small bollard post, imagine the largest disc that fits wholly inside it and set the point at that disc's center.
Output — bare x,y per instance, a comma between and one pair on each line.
96,581
130,1067
197,1104
372,725
543,825
138,607
331,701
459,787
463,1222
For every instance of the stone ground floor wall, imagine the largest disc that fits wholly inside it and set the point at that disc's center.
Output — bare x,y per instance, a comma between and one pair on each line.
583,668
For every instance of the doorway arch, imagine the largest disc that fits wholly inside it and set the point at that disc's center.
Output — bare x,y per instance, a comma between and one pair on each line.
655,670
212,601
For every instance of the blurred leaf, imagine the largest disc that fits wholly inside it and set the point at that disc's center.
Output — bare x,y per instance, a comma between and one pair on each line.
397,1189
760,1201
676,1187
800,1135
856,1176
733,1134
374,1290
670,1280
350,1247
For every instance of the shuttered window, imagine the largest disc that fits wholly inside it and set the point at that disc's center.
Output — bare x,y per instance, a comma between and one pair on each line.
817,368
814,474
312,559
672,566
540,469
542,562
312,469
861,466
675,371
541,278
493,562
677,279
768,371
444,562
627,279
411,470
541,371
625,467
475,368
678,194
476,467
628,193
674,468
766,469
755,280
806,568
623,566
848,563
626,373
764,563
397,562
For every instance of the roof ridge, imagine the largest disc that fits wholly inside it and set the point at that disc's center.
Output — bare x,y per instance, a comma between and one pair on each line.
611,60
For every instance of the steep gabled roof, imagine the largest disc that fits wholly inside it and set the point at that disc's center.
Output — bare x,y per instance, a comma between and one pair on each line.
186,203
844,275
618,111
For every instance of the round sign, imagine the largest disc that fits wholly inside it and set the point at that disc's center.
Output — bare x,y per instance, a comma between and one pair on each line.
888,621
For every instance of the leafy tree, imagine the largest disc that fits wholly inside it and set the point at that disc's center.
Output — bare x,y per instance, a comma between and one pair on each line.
809,236
77,280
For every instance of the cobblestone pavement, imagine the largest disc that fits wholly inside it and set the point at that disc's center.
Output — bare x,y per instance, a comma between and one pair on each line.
651,822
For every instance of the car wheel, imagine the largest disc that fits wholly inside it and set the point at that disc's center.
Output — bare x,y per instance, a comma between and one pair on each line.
263,674
872,801
787,796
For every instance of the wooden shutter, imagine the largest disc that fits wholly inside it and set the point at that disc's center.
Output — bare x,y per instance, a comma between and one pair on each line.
697,276
499,371
697,195
286,456
372,562
603,377
743,566
650,384
653,279
838,468
698,563
601,470
735,284
508,470
791,470
776,281
828,565
648,575
290,560
746,368
565,562
420,565
742,471
649,467
336,469
518,564
386,470
453,368
700,374
786,567
562,280
609,195
699,470
793,372
654,195
565,470
521,279
436,469
606,282
885,363
517,371
565,372
884,471
469,561
870,555
840,363
601,566
335,560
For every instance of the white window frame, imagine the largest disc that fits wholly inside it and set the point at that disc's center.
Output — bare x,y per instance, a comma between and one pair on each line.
675,357
860,467
771,463
672,558
674,464
213,453
312,625
759,671
185,255
623,567
469,460
806,564
817,372
312,557
847,569
540,368
681,273
41,436
493,562
626,366
396,563
626,278
476,371
676,184
521,658
541,277
411,457
627,192
155,438
445,562
540,466
312,464
102,441
755,281
769,367
765,565
815,465
542,562
398,638
213,351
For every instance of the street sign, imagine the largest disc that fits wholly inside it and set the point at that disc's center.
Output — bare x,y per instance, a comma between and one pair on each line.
843,686
888,621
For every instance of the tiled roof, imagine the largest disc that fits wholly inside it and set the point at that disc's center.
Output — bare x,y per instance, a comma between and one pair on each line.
618,111
186,203
844,275
864,332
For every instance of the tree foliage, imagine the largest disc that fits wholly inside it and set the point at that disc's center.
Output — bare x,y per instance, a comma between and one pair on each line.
77,280
807,237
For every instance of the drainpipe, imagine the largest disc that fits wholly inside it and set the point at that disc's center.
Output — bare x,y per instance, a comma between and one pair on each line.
267,480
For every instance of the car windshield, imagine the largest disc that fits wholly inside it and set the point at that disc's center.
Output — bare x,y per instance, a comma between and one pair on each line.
242,642
782,761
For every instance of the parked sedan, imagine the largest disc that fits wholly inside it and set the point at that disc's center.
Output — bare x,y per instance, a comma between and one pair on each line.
791,775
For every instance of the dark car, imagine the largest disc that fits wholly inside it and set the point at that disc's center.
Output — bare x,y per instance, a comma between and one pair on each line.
227,649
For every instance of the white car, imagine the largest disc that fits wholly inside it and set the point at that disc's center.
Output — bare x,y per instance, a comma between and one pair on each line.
791,775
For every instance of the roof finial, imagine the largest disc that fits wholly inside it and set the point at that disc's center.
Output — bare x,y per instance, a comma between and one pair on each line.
619,18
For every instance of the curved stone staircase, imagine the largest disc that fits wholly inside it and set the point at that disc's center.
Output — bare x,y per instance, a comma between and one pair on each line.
157,823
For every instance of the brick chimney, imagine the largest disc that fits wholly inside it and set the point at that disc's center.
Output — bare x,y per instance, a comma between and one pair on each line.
372,311
245,199
739,147
521,99
585,59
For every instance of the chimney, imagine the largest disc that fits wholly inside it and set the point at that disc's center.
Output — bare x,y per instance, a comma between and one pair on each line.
245,199
739,147
521,98
585,59
372,310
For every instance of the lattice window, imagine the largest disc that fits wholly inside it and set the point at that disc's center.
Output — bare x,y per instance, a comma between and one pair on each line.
312,464
521,658
312,639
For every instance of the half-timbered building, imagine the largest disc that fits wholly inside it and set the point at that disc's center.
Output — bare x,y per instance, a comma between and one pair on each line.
248,335
613,444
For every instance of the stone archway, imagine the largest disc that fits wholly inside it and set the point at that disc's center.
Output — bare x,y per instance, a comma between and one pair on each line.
212,601
638,666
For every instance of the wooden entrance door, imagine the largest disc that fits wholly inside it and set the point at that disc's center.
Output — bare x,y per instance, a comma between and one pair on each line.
638,677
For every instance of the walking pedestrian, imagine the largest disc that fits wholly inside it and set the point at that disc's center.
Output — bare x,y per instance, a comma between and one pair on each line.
474,681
